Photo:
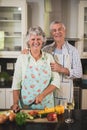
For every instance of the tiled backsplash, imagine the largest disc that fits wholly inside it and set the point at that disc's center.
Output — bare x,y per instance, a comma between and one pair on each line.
7,66
84,65
71,41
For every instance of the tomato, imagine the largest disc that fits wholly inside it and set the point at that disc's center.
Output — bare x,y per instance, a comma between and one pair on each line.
33,113
52,116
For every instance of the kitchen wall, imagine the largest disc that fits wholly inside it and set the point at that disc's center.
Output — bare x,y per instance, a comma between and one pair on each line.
35,12
42,12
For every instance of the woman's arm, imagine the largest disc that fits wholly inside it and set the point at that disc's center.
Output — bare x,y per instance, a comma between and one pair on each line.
59,68
16,85
46,91
16,96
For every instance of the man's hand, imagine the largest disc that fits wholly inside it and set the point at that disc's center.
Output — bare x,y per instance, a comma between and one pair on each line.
25,51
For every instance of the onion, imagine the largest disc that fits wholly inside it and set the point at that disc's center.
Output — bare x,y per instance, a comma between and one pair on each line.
3,118
12,116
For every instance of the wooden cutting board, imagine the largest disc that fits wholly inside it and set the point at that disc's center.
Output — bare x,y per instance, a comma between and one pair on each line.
38,120
42,120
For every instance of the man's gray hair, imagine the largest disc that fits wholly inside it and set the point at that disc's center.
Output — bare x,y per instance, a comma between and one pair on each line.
56,22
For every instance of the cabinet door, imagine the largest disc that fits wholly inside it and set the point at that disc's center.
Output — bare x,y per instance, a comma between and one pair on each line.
9,98
12,27
82,29
84,99
2,98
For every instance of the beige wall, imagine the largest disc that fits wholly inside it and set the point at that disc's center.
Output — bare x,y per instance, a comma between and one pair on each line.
42,12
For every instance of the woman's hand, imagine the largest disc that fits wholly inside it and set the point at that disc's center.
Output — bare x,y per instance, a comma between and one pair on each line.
39,98
45,92
59,68
56,67
15,108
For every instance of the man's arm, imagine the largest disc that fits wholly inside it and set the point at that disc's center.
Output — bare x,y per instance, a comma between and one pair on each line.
76,69
25,51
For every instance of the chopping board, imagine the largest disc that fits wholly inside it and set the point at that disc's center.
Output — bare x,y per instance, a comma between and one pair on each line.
39,120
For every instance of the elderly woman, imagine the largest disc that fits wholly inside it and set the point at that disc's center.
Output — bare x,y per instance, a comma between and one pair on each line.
33,81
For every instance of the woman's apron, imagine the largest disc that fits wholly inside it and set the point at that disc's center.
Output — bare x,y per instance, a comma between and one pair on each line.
37,78
66,86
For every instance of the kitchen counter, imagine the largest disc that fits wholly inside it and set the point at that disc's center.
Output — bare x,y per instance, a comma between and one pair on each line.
80,123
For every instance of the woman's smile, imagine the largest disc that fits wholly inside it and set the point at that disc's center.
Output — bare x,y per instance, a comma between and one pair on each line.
36,41
36,44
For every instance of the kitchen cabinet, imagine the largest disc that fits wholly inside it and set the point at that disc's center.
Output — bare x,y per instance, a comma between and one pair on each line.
9,98
6,98
2,98
13,27
84,98
82,29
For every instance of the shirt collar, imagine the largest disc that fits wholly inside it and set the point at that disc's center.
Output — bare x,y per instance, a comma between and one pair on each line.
30,56
65,49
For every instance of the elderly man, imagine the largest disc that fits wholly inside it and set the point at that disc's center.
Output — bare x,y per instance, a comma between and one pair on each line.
67,63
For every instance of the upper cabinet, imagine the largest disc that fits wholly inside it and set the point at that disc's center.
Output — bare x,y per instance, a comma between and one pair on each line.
82,29
13,27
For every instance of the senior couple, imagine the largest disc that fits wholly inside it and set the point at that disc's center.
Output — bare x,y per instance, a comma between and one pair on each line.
43,77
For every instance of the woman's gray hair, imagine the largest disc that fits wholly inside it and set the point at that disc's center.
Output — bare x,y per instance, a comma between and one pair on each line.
35,31
56,22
